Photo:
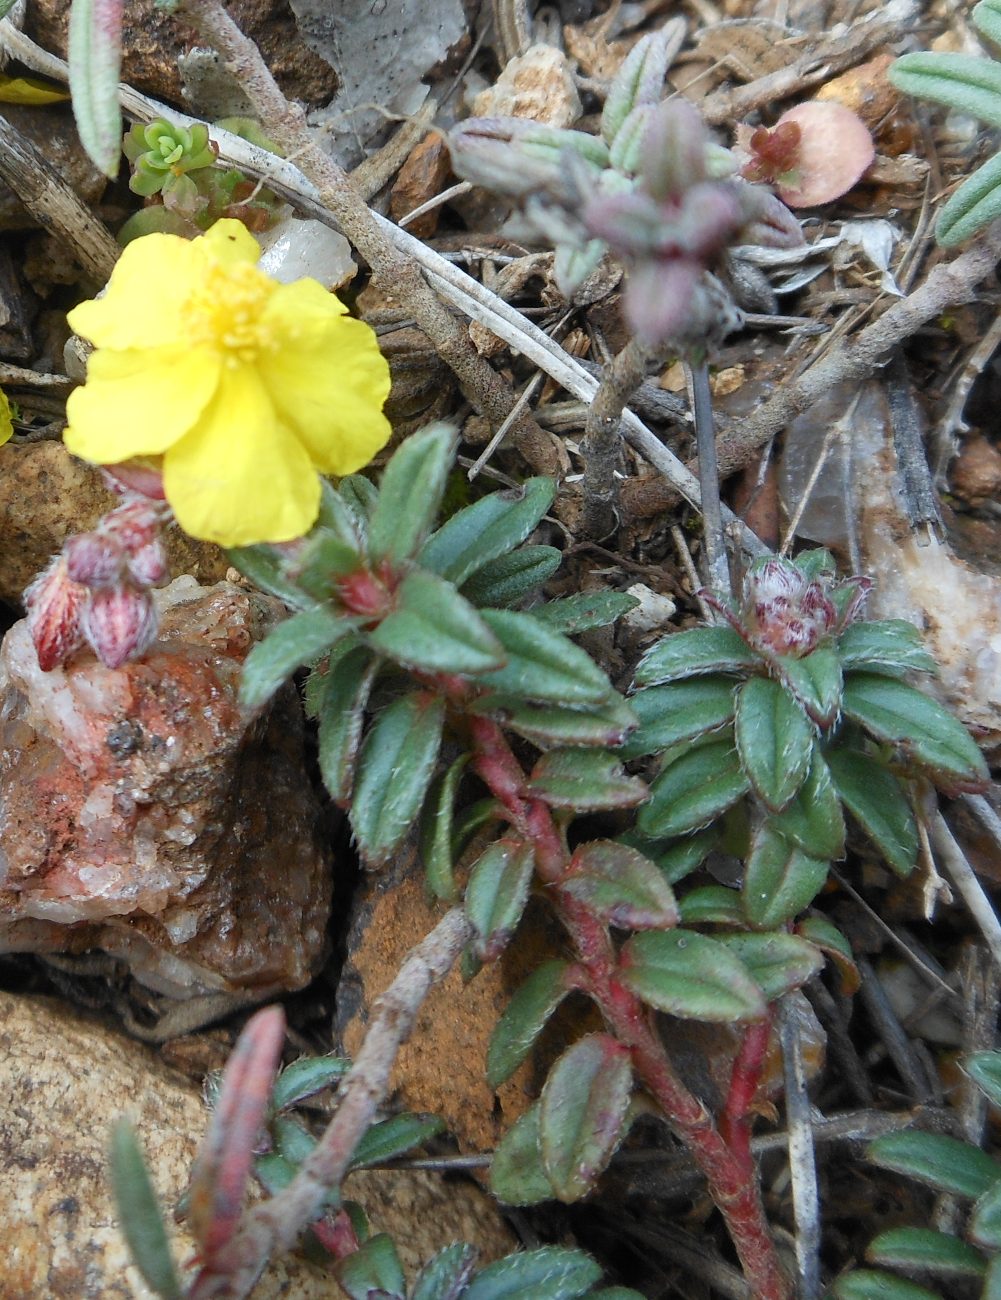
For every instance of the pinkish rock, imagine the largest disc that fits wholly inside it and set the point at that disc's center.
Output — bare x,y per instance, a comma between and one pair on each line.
142,815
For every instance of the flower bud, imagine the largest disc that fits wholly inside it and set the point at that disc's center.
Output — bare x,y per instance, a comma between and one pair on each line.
54,603
94,560
674,150
120,623
148,566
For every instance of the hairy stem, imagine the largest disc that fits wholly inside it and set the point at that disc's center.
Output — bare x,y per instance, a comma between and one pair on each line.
729,1169
392,272
748,1066
603,441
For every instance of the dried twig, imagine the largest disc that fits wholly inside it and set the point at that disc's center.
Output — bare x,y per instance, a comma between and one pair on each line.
802,1162
602,440
962,875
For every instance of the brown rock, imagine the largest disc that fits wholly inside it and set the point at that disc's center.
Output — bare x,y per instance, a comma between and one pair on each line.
142,815
61,1239
976,474
152,41
51,130
45,495
421,177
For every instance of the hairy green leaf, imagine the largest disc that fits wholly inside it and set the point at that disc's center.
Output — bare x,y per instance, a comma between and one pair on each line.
814,820
963,82
972,207
891,647
524,1018
774,740
639,81
584,611
299,640
693,791
833,944
984,1068
876,799
516,1173
342,698
410,493
679,711
583,1113
434,629
394,770
711,905
486,530
307,1077
373,1269
778,962
95,63
550,1273
445,1275
605,724
926,1251
874,1284
816,681
927,733
690,976
698,650
437,848
620,886
497,893
945,1163
394,1137
264,567
780,880
512,577
139,1213
584,780
543,665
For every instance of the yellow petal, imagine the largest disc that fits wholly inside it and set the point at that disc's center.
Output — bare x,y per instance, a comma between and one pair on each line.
6,425
331,392
143,306
138,402
30,90
240,476
228,242
302,310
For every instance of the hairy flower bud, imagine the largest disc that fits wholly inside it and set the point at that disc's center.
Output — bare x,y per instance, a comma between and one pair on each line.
120,623
148,566
94,560
54,603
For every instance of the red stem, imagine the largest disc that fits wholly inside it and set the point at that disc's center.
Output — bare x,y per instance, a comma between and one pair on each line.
727,1166
748,1066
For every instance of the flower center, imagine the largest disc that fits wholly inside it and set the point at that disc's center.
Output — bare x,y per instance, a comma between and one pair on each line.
225,312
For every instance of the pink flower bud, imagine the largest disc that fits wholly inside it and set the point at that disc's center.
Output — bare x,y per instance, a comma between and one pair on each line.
94,560
120,623
816,606
54,604
857,603
135,476
148,565
133,525
773,579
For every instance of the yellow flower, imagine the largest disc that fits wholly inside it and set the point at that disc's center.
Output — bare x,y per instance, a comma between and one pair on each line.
247,388
6,426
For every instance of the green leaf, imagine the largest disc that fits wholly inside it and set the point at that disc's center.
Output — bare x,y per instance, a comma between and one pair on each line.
711,905
6,6
992,1280
445,1275
323,560
814,820
778,962
394,1137
139,1213
833,944
924,1250
486,530
373,1268
511,578
274,1172
699,650
816,682
774,739
584,611
681,859
943,1162
264,566
679,711
984,1068
873,1284
891,647
691,976
551,1273
359,495
583,1113
524,1018
963,82
543,665
584,780
876,799
433,629
818,563
620,886
605,724
639,80
986,18
927,733
293,1142
692,791
305,1078
985,1219
516,1173
972,207
780,880
410,493
396,765
341,716
95,63
437,850
299,640
497,893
